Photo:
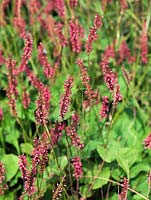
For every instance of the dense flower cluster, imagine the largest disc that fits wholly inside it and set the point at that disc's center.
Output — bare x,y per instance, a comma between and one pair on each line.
34,80
3,186
63,41
43,106
123,194
123,4
19,22
93,33
11,90
34,7
39,160
27,51
124,53
60,7
117,97
1,114
105,107
110,78
147,142
77,166
91,95
42,55
76,33
144,45
25,98
66,97
109,53
73,3
72,133
22,162
56,132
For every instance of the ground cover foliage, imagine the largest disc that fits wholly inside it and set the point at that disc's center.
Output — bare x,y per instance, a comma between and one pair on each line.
75,102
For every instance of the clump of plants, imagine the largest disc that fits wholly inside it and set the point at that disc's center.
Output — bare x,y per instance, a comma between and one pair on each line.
75,100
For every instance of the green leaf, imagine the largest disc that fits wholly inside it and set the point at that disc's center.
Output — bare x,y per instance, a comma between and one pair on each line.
139,167
126,157
62,162
98,179
11,164
108,154
105,173
84,190
26,148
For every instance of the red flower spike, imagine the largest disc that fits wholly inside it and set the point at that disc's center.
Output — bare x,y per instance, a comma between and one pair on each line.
105,107
42,55
147,142
93,33
123,194
77,165
3,185
60,6
144,45
73,3
72,133
110,78
66,97
43,106
76,32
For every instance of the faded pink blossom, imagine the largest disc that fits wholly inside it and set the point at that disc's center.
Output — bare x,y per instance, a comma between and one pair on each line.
124,53
2,59
76,33
144,45
123,4
63,41
11,91
109,52
1,114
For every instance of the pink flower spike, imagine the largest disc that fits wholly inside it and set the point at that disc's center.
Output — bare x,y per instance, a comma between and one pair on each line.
66,97
42,55
144,45
77,165
123,194
105,107
147,142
